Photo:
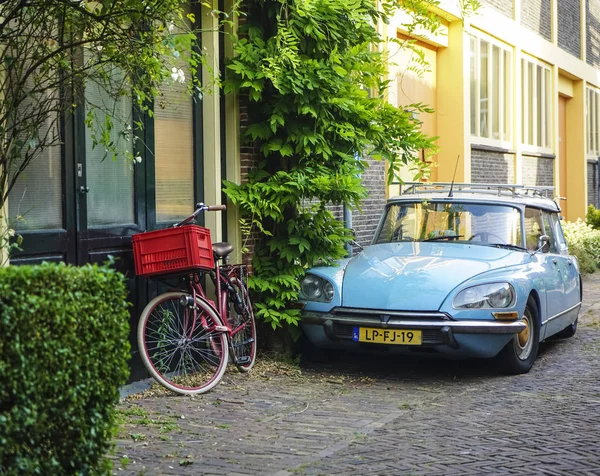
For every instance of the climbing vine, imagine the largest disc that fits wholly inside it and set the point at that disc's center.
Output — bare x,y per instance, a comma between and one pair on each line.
314,75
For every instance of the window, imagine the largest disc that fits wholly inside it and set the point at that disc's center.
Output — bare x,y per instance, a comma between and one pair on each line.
550,230
174,143
536,104
491,73
558,232
592,110
533,228
37,193
111,197
476,224
174,151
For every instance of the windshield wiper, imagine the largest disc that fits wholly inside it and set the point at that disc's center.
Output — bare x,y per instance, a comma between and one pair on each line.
505,246
444,237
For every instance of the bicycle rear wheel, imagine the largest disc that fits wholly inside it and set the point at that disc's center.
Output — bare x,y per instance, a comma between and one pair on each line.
241,320
185,356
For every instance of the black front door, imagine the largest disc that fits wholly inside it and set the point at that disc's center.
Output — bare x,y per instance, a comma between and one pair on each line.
79,206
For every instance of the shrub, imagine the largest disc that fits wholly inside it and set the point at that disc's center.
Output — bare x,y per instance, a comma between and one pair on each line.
584,242
592,217
63,354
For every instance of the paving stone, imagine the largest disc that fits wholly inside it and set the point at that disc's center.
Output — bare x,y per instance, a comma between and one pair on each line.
383,415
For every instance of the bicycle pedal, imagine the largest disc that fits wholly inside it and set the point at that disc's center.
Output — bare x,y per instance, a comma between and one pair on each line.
246,342
243,360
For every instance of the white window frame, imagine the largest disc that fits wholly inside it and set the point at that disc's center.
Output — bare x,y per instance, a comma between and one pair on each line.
530,144
592,116
501,88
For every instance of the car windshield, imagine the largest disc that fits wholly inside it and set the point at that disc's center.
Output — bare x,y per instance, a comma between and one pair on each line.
480,224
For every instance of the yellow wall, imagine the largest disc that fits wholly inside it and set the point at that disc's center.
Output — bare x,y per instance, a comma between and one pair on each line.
570,76
453,107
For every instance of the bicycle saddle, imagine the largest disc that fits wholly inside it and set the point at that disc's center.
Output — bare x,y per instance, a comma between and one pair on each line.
222,249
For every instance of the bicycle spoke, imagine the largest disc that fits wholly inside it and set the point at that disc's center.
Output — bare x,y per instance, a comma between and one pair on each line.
241,320
183,358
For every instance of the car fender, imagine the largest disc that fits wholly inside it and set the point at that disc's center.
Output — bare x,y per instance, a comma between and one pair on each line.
524,279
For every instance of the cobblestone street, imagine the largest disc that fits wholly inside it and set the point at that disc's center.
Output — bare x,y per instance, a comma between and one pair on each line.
382,416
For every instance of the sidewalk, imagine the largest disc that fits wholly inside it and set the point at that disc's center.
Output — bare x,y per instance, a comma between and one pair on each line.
381,416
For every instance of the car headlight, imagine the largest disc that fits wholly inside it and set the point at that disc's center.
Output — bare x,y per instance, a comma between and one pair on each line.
495,295
313,288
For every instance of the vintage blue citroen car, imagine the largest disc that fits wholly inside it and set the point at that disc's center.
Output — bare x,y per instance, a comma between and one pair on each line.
467,270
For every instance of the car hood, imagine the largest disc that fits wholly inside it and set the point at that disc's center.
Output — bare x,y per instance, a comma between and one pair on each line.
417,276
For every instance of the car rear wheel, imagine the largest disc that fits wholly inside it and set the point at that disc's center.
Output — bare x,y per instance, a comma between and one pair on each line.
520,353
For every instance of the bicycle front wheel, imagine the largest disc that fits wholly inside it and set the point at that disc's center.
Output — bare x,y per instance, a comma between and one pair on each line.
183,350
241,320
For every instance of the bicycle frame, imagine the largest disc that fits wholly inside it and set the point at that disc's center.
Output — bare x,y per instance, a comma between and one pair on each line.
221,276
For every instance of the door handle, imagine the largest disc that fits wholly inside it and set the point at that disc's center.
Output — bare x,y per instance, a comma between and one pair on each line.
554,260
570,261
83,189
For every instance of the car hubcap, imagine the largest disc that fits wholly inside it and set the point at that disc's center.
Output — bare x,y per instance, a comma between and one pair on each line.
524,340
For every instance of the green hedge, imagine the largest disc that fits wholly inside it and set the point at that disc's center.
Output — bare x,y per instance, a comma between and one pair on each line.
63,355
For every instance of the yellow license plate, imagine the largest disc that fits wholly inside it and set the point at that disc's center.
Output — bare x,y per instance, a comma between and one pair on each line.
387,336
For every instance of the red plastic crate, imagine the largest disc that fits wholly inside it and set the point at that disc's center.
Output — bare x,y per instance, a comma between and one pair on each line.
172,250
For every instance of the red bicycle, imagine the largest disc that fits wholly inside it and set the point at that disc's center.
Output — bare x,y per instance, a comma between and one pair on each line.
186,339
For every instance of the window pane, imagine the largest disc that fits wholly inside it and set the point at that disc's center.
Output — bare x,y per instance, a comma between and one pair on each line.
110,199
524,105
174,148
507,95
540,105
495,93
37,194
548,115
483,89
595,111
590,145
531,103
473,87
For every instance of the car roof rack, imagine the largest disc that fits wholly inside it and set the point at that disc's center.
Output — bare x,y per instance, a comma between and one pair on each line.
499,189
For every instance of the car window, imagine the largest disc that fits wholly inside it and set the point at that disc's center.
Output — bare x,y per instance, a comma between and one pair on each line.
550,230
481,224
534,227
560,237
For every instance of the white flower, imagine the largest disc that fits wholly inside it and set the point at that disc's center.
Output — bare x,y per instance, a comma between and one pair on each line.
138,159
11,232
178,75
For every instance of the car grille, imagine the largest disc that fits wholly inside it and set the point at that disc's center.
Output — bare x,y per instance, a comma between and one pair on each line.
377,314
345,331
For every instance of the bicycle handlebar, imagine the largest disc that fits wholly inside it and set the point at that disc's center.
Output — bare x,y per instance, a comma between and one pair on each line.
201,207
213,208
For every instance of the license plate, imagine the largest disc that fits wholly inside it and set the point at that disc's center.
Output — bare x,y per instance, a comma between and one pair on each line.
387,336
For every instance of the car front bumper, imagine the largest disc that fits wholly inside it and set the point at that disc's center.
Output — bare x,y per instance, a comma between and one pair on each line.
481,338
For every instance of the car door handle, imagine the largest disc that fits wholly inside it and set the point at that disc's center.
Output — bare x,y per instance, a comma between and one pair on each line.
554,260
570,261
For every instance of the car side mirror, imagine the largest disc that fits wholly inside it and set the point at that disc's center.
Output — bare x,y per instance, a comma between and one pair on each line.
544,243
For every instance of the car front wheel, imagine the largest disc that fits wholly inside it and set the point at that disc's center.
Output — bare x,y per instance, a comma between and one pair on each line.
519,354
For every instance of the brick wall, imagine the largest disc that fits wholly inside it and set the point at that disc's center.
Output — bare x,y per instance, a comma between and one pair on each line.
593,183
489,166
535,15
503,6
538,171
365,221
593,32
250,155
569,26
